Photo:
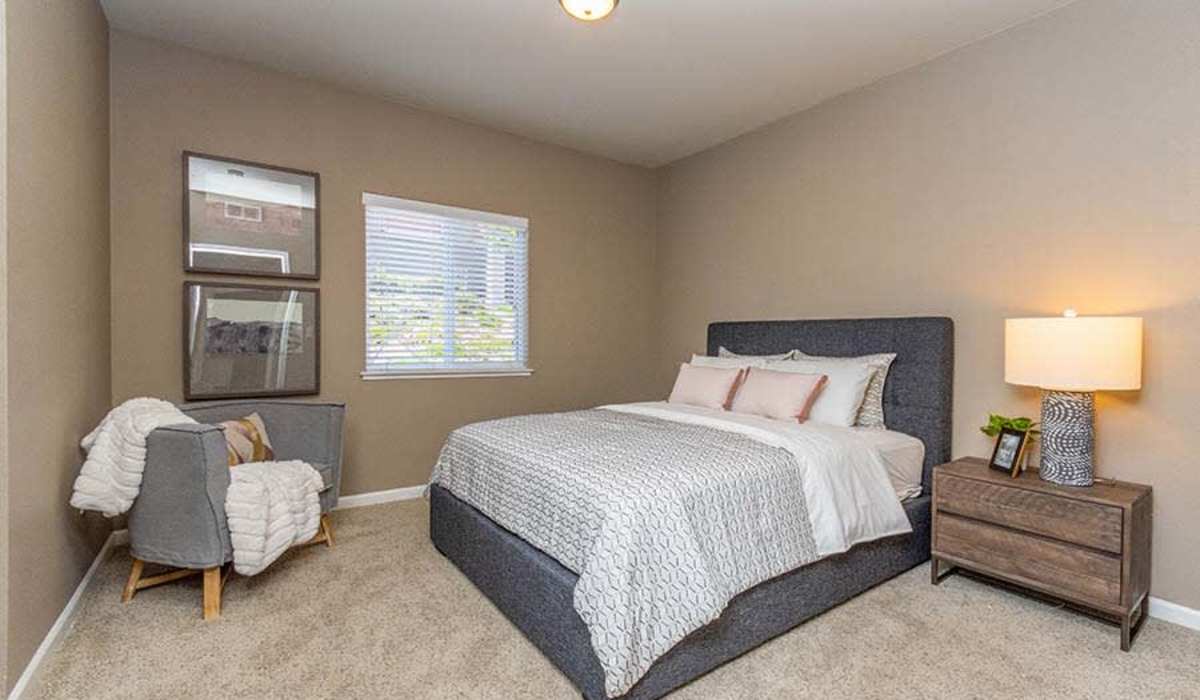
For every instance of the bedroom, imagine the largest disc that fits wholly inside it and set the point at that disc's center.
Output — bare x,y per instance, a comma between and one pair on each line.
976,160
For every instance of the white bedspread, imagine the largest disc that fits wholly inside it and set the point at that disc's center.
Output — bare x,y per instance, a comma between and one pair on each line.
849,493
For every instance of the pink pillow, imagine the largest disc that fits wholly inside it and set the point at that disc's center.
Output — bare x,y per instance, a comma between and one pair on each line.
711,387
781,395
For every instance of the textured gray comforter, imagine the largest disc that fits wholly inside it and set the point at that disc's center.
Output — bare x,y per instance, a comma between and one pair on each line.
663,521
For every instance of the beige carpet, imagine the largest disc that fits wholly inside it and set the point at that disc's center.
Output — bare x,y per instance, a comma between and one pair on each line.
384,615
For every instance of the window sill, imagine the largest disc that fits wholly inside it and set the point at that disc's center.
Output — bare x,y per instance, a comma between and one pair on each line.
442,374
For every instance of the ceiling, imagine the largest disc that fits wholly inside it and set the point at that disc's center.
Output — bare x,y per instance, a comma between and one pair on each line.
656,81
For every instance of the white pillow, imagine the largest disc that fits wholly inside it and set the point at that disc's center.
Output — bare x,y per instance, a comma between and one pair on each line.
740,362
722,352
871,413
839,401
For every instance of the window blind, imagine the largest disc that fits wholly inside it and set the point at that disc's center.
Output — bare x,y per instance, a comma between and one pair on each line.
447,289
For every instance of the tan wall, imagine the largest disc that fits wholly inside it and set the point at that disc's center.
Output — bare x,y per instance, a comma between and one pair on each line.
591,236
3,347
58,300
1054,165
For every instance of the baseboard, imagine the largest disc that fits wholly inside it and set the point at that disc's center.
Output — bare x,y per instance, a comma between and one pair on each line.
373,498
33,669
1174,612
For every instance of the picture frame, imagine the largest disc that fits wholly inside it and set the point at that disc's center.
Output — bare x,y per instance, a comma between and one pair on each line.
1009,453
250,341
242,217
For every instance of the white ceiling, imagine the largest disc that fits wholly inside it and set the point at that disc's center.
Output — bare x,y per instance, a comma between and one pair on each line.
656,81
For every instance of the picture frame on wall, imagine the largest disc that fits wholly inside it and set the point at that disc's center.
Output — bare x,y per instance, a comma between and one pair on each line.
247,218
243,341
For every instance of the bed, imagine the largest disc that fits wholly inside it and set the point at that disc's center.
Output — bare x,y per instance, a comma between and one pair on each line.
536,592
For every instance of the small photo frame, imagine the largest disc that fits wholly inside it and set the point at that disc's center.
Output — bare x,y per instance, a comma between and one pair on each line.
250,341
246,218
1009,454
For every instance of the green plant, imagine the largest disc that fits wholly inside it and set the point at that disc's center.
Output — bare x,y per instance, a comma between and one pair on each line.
997,422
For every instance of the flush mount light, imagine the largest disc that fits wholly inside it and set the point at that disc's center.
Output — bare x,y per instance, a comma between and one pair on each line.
589,10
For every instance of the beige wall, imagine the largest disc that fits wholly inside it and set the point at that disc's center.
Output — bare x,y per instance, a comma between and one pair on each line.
3,347
57,300
1054,165
591,243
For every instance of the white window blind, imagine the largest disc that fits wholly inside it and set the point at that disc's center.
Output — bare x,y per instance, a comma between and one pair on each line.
447,289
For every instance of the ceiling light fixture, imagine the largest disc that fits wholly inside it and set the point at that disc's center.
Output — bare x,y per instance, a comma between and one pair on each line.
589,10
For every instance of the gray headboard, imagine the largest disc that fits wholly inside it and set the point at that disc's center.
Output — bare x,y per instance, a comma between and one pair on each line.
918,397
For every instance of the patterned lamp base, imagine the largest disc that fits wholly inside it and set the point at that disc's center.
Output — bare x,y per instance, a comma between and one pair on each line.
1068,437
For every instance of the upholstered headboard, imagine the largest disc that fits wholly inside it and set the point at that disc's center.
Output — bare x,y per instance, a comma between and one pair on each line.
918,397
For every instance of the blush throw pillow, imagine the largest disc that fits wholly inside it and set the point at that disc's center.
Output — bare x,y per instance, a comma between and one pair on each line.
780,395
839,401
871,413
711,387
246,440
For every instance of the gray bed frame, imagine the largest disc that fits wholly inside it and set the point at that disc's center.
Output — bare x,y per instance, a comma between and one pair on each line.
535,592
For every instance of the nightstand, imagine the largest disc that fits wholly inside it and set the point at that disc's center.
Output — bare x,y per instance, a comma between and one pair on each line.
1089,546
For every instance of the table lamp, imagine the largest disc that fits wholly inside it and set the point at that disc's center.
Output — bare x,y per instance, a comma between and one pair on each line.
1070,358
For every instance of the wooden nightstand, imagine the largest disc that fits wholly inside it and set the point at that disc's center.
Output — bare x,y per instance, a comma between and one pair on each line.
1089,547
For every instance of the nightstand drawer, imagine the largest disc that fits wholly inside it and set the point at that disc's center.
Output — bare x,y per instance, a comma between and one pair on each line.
1035,561
1088,524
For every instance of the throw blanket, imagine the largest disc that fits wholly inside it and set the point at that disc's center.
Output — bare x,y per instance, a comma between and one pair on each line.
111,477
664,518
270,506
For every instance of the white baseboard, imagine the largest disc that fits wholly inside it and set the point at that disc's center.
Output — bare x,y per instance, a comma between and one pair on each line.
33,669
373,498
1174,612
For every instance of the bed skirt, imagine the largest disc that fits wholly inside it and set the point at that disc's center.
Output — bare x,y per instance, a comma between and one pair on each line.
535,592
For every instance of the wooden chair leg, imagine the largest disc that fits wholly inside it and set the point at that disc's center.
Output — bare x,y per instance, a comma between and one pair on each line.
327,529
131,586
212,593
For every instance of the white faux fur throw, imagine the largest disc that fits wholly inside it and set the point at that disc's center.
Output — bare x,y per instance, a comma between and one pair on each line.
111,477
270,506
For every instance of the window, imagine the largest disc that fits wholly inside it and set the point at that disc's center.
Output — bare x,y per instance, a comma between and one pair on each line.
243,212
446,290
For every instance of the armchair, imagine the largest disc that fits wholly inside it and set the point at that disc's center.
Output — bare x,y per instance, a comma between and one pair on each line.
178,519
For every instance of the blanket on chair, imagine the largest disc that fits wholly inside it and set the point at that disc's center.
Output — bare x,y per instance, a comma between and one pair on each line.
269,506
111,477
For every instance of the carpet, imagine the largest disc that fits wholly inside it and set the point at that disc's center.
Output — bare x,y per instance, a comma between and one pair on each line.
383,615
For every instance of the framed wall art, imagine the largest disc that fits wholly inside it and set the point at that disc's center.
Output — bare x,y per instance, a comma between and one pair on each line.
245,218
250,341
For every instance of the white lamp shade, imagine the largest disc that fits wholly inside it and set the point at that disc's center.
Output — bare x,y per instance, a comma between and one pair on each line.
1088,353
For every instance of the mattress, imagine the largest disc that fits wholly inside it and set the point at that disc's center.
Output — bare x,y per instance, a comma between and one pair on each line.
904,456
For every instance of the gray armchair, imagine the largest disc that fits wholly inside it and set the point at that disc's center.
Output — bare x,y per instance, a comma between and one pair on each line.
178,518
